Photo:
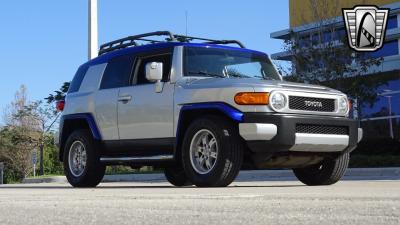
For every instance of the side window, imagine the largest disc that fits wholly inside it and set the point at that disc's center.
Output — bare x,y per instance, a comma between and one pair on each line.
77,81
117,73
166,59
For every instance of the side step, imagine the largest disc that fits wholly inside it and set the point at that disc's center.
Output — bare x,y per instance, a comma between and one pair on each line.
138,159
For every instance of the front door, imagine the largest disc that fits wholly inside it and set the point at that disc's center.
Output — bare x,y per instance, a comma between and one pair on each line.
143,114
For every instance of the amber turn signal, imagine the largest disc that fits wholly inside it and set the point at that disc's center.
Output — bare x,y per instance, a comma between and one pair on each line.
252,98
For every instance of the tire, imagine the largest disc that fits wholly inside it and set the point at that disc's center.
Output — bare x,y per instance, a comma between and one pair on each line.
224,157
92,171
328,172
176,176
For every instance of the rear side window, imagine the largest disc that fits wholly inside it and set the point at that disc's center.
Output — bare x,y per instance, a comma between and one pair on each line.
117,73
77,81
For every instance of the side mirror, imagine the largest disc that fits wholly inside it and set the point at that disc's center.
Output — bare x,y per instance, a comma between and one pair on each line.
154,71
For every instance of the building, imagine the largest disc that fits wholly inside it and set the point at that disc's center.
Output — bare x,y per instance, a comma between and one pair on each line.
382,119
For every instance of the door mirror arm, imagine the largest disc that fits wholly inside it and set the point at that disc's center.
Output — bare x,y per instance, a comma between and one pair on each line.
159,86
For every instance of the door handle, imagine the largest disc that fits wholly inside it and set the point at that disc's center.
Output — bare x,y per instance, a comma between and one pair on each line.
124,99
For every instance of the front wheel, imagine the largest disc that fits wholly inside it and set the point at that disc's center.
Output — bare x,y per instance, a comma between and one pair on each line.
82,165
212,152
328,172
176,176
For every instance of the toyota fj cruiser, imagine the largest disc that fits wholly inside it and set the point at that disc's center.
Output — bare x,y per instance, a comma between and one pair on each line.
202,110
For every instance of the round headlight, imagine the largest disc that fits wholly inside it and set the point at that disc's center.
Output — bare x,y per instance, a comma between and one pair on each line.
343,105
278,101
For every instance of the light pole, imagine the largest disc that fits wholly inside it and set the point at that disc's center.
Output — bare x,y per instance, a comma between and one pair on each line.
389,97
92,29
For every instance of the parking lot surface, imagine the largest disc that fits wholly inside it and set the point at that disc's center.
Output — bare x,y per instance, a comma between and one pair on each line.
257,202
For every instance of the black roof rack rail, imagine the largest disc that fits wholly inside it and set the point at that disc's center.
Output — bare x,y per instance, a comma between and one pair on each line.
132,41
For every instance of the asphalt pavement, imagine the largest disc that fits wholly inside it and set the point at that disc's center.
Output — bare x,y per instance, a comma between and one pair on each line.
256,202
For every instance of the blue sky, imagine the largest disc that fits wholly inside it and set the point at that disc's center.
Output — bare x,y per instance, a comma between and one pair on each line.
43,42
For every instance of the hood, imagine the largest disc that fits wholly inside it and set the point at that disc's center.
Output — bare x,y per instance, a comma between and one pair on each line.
201,82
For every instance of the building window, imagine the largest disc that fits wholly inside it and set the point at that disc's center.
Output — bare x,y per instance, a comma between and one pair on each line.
376,118
339,34
389,48
392,22
381,106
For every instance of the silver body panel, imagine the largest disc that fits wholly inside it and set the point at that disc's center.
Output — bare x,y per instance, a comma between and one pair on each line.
83,100
148,114
140,112
106,103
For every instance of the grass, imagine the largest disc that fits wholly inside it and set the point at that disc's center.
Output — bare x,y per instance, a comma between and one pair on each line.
45,176
356,161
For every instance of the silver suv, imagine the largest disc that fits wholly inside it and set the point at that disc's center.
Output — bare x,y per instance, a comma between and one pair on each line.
202,111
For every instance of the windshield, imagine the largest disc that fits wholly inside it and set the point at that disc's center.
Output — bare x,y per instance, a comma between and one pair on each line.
214,62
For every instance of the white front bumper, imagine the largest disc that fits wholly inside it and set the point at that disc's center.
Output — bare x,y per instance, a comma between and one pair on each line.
304,142
257,131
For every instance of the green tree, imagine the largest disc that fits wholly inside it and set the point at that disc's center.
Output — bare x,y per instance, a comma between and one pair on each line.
29,126
323,57
46,118
18,138
58,94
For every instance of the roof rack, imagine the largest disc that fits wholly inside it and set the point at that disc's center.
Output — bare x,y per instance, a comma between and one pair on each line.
170,37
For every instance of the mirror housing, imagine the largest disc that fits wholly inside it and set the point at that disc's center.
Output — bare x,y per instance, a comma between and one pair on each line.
154,71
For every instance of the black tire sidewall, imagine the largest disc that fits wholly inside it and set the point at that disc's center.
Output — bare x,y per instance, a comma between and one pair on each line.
332,171
217,127
93,167
176,176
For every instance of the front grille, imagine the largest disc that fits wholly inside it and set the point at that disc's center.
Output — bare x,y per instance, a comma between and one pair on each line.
311,104
321,129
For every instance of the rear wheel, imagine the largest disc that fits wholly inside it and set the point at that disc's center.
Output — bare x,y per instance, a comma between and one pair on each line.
82,165
212,152
328,172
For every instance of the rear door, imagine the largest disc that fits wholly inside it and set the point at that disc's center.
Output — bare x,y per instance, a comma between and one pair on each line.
146,114
117,74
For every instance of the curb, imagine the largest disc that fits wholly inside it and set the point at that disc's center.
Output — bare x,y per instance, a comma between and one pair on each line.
244,176
54,179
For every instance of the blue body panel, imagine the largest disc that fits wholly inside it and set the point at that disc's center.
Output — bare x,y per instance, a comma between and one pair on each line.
145,48
89,119
228,110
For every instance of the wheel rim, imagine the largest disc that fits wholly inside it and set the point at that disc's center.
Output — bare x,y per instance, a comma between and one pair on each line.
77,158
203,151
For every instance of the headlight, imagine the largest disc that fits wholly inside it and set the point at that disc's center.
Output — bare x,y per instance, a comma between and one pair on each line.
343,105
278,101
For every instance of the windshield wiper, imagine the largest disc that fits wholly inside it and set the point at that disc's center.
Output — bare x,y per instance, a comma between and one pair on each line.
239,75
264,77
206,74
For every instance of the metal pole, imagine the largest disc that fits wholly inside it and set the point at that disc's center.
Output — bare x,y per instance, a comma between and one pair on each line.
92,29
41,172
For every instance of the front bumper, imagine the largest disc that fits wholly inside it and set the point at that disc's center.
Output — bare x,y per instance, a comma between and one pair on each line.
266,132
